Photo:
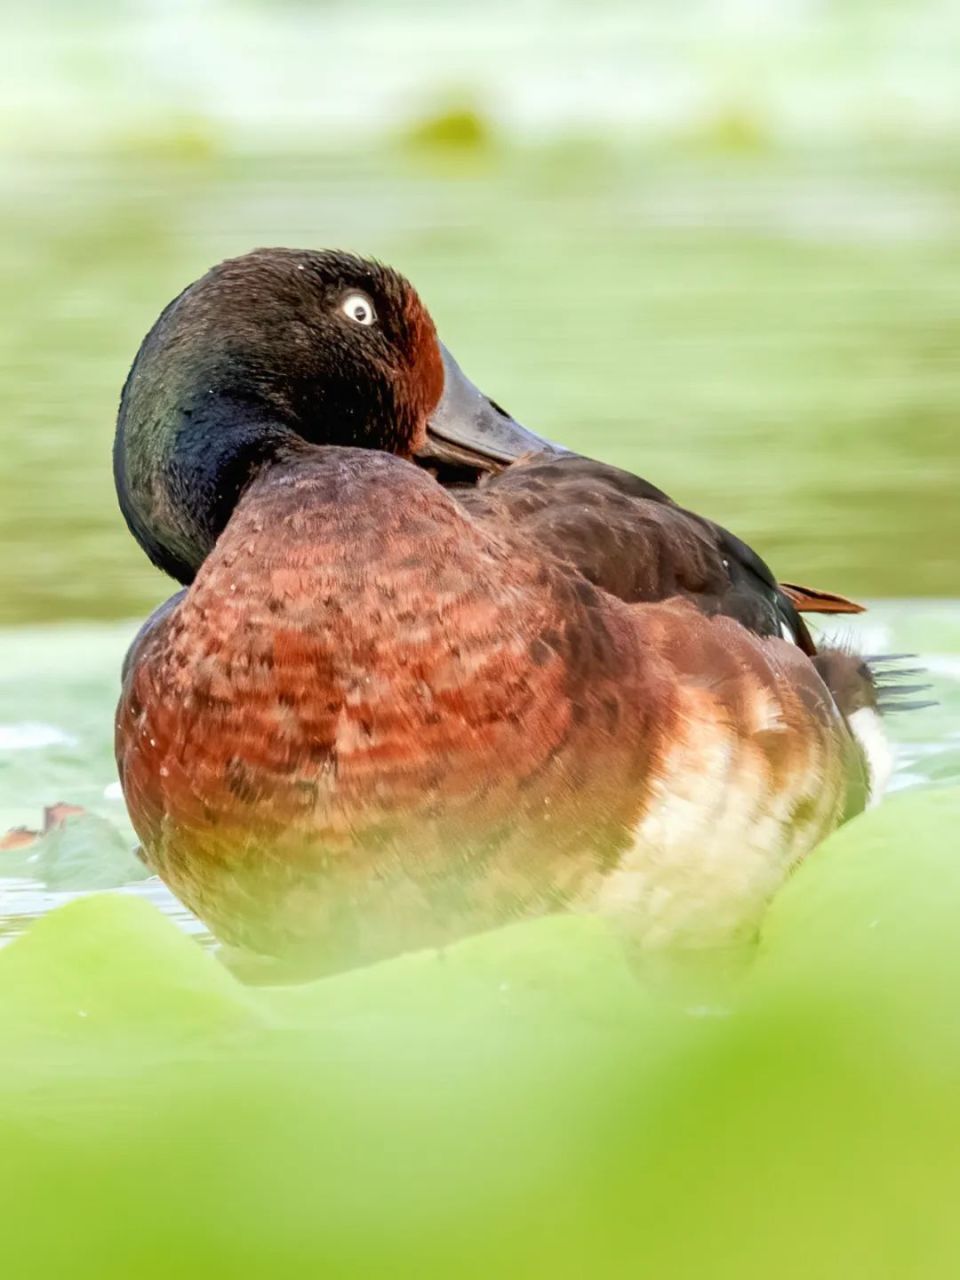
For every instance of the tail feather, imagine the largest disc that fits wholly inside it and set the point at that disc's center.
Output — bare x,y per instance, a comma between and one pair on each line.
888,681
873,680
881,659
866,689
888,676
849,677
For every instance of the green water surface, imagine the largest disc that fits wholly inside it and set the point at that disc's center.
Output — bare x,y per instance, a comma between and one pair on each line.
771,336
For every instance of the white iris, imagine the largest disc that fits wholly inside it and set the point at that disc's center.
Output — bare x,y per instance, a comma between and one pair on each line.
358,308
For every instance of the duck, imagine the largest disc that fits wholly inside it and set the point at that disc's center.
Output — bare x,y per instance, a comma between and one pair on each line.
429,673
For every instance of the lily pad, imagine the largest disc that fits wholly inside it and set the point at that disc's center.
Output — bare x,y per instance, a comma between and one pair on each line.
84,851
111,966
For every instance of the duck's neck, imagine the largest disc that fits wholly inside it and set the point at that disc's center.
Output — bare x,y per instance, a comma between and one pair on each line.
179,481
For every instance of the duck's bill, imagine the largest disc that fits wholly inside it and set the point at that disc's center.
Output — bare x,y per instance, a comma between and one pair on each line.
467,429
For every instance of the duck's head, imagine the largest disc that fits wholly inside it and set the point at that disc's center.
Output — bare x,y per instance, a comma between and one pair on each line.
271,350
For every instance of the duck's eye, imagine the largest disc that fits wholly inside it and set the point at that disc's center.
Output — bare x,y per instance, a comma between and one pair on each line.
358,308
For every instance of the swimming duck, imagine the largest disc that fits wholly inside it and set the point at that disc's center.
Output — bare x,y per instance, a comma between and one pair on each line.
429,673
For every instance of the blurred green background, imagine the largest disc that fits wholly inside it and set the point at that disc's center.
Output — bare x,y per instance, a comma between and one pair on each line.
715,243
517,1106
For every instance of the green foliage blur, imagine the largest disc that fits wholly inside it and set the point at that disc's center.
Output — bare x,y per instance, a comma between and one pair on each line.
522,1104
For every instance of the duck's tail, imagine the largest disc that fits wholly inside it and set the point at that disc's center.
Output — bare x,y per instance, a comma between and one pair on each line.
865,689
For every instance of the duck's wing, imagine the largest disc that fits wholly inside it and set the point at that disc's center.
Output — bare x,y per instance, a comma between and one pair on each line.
629,538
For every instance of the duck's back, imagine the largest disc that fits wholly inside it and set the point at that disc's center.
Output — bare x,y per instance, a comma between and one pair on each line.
629,538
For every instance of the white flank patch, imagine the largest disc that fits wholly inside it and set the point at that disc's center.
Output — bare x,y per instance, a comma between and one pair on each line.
715,842
113,791
867,728
31,735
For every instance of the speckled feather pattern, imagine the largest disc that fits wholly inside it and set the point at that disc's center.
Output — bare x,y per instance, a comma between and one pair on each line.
380,719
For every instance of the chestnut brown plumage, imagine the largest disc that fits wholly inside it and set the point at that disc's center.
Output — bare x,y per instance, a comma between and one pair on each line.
385,713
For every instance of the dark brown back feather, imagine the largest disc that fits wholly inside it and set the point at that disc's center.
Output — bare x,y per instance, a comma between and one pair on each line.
630,539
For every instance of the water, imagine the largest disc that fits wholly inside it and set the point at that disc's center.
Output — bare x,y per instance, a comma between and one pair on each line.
770,336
